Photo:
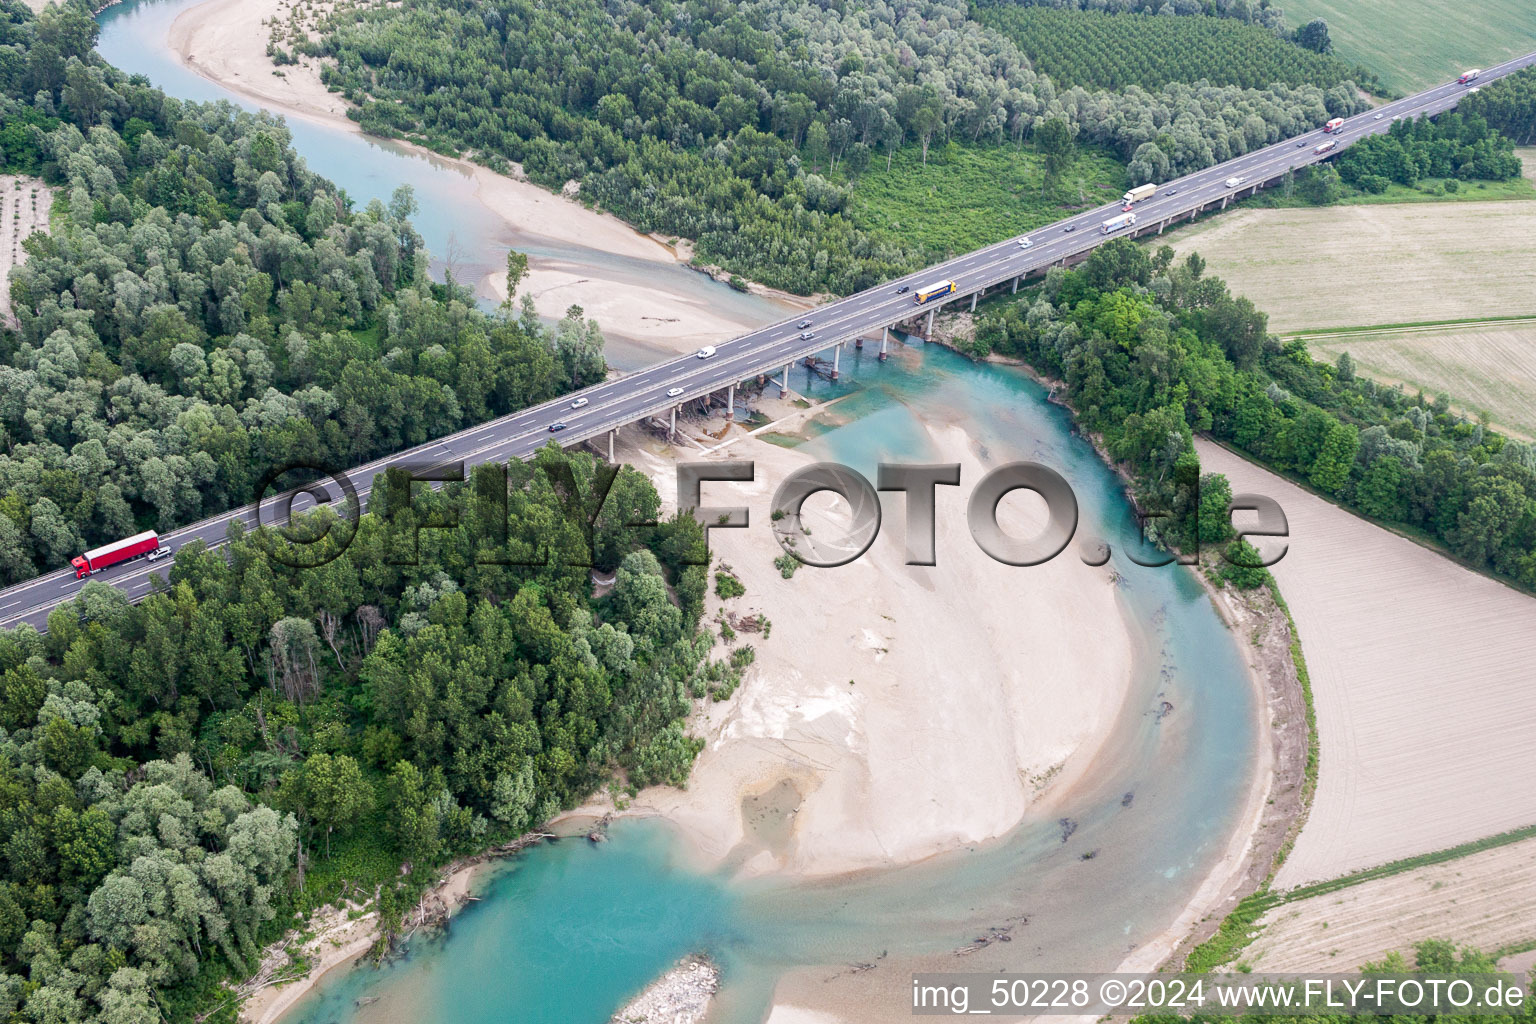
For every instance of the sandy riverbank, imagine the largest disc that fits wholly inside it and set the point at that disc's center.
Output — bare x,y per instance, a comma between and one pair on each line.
225,42
895,711
339,935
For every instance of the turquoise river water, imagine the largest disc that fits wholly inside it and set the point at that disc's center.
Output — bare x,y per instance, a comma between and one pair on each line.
565,932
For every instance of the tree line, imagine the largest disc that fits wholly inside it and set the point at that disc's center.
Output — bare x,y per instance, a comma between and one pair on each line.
181,775
1509,105
1457,145
721,122
1152,350
207,310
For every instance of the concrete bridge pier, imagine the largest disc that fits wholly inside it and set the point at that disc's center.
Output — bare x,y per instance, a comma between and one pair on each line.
836,351
1015,287
784,382
1224,200
1193,213
928,331
730,402
885,339
974,297
611,435
1161,225
672,431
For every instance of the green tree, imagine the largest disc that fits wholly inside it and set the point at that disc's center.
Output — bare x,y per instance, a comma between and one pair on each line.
337,794
517,269
1242,566
1333,463
1055,142
413,821
1215,523
1314,36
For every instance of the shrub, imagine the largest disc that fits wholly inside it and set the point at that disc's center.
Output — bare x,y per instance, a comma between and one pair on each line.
728,586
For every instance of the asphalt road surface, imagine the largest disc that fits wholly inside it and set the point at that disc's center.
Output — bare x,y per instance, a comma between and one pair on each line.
627,399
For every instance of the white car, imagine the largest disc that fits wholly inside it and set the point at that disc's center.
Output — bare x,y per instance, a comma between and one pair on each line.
578,403
1234,182
1376,118
674,392
706,351
1025,243
160,552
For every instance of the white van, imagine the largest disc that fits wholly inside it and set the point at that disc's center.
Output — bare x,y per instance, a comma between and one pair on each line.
706,351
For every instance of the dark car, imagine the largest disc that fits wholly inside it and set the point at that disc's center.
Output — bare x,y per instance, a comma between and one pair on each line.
555,428
1303,142
903,289
1070,227
804,324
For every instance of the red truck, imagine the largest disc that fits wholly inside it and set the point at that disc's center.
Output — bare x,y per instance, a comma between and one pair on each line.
1334,125
137,546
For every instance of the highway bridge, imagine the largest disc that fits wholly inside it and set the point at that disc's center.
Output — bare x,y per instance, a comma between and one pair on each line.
772,349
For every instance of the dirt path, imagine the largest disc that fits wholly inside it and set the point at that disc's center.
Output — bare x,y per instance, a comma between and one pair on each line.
1486,900
24,207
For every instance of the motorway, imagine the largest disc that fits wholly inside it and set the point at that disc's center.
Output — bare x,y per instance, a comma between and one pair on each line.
624,400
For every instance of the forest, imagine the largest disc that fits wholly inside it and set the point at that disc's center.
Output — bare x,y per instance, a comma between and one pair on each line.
183,774
206,310
724,122
1152,350
1115,51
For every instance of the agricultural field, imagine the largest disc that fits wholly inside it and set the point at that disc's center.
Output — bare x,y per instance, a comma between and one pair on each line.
1485,899
1485,368
1414,46
1421,680
1374,266
1099,50
969,196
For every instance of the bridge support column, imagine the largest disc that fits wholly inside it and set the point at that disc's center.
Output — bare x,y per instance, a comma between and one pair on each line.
1224,201
885,339
1193,213
611,435
784,382
672,433
1161,225
928,331
1015,286
837,350
730,402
